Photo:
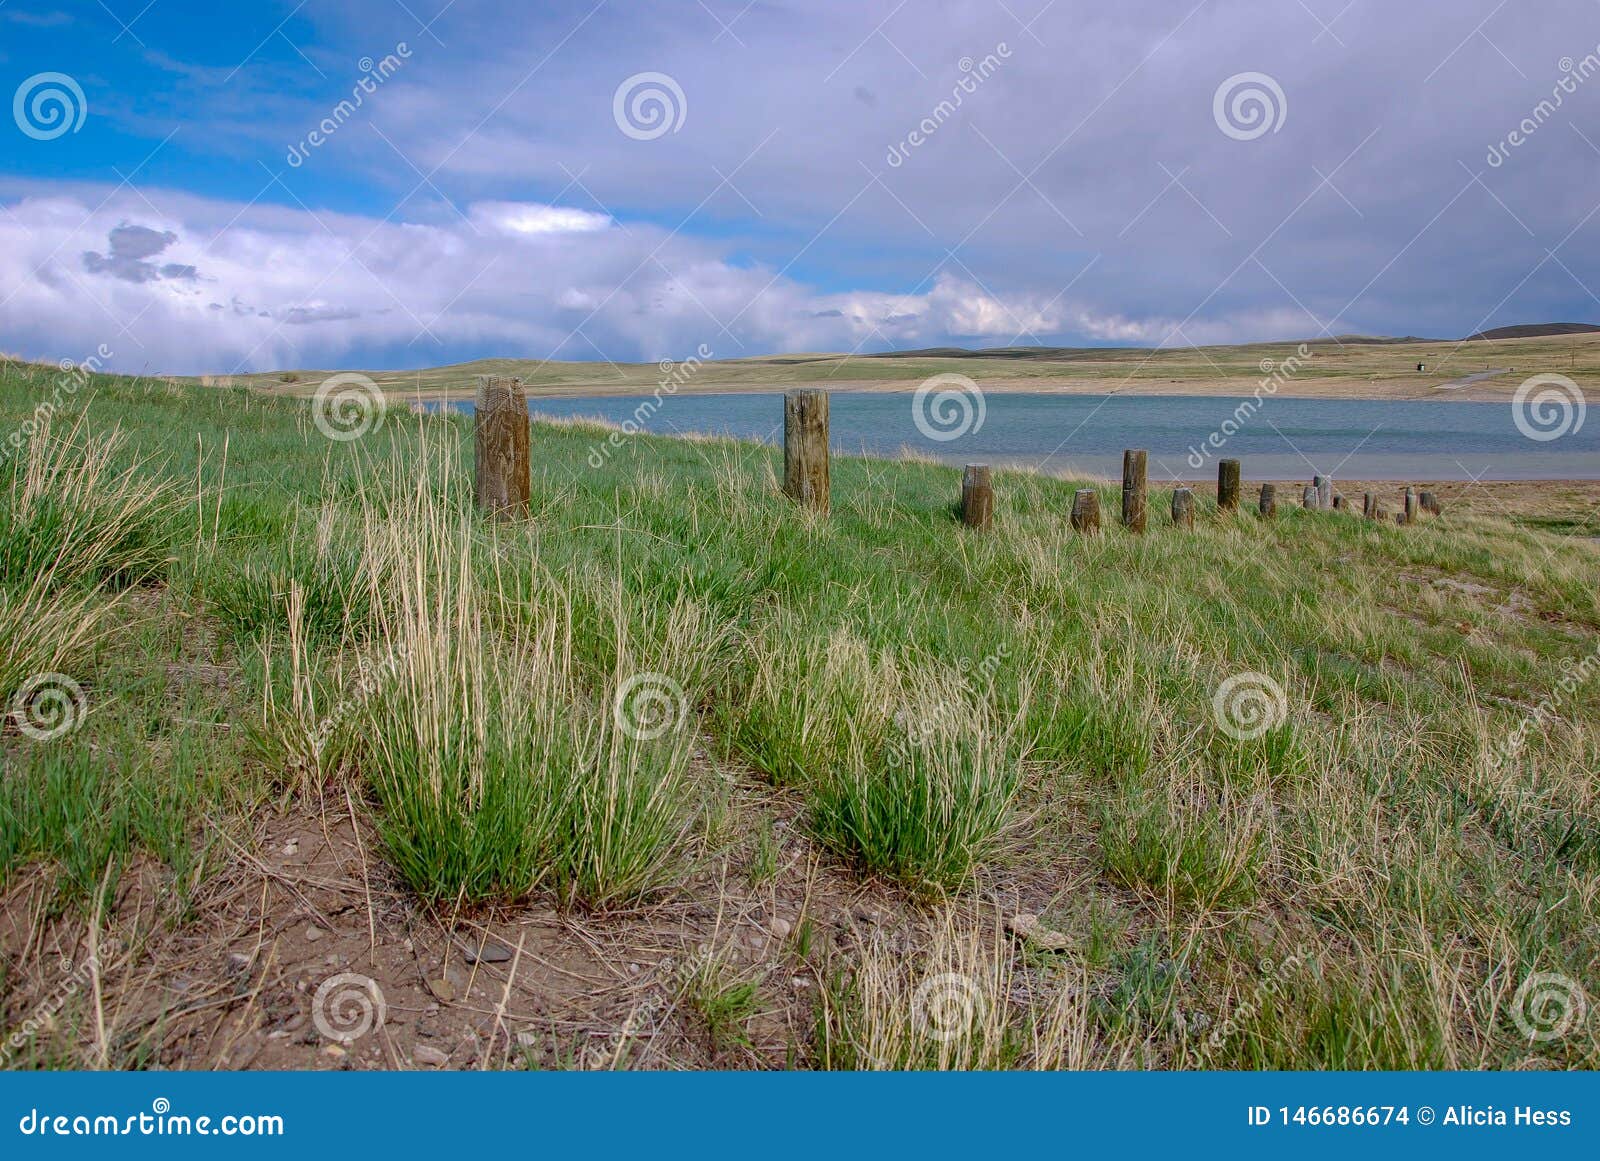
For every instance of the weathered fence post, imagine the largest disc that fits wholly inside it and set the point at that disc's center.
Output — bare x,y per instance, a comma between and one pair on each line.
1308,497
977,496
1135,489
1269,501
1411,506
1324,486
1369,504
1183,508
500,474
1340,503
1086,510
1227,485
805,447
1430,503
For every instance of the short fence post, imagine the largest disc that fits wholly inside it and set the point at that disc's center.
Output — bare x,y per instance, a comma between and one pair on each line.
501,481
1183,507
1340,503
1227,485
1086,510
1135,489
805,448
1308,497
977,496
1324,486
1411,506
1430,503
1269,501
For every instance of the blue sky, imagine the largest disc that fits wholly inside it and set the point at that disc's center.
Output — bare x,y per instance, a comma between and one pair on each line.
818,176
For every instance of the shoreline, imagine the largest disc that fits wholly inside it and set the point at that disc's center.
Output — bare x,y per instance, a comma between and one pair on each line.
1387,391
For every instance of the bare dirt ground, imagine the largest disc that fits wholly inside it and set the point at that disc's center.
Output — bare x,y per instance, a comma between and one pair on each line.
301,951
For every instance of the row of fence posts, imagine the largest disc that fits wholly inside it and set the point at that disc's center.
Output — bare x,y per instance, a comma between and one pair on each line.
501,470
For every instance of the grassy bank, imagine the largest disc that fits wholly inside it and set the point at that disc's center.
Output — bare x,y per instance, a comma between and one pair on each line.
1254,780
1352,368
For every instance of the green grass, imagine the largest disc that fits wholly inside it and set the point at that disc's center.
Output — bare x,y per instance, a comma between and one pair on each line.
949,713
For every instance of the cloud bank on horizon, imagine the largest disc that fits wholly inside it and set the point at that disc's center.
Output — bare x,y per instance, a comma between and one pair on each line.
384,185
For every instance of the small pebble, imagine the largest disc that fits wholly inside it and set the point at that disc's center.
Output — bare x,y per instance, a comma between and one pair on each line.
490,953
314,933
430,1057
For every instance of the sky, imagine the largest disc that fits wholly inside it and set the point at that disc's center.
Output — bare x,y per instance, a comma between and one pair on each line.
406,183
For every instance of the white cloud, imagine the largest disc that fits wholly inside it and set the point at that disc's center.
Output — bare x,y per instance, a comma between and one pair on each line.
533,218
175,283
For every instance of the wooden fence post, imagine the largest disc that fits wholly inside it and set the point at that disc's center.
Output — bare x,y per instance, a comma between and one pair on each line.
977,496
805,448
1340,503
500,473
1324,486
1308,497
1086,510
1369,504
1411,506
1269,501
1227,485
1183,507
1135,489
1430,503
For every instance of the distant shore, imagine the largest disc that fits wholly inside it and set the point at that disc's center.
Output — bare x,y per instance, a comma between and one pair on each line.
1394,389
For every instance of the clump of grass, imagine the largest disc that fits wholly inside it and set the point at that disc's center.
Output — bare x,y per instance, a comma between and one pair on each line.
905,771
958,1002
71,516
495,771
724,999
1192,847
72,527
249,588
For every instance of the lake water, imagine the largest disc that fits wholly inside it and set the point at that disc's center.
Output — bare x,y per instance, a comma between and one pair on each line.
1283,439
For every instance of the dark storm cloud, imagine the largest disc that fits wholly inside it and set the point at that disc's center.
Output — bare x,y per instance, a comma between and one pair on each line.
130,246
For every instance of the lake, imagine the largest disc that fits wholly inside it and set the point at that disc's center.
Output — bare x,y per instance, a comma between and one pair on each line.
1282,439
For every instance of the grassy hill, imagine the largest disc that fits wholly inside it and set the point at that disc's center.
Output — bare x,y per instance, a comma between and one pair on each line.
670,774
1350,366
